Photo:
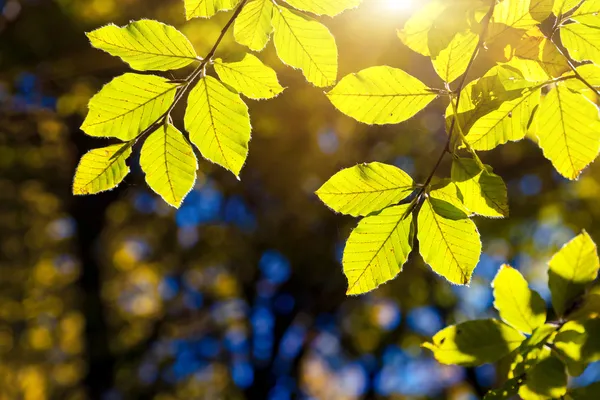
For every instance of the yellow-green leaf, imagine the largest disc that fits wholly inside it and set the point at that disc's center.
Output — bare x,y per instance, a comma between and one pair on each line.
452,61
219,124
365,188
250,77
127,105
545,380
380,95
588,13
101,169
518,305
582,41
377,249
562,6
207,8
483,192
578,344
518,14
589,392
169,163
253,27
302,42
474,342
568,128
537,58
590,73
145,45
324,7
509,122
448,240
570,270
415,34
448,191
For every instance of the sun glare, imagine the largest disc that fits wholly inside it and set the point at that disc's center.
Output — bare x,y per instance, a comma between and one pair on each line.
399,4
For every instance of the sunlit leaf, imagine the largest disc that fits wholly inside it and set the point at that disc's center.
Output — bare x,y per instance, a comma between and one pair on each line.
483,192
588,13
218,123
207,8
474,342
365,188
590,73
169,163
568,128
578,344
582,41
537,58
304,43
380,95
562,6
509,122
509,389
571,269
145,45
518,14
324,7
250,77
518,305
547,379
448,240
100,169
377,249
451,62
253,27
447,190
127,105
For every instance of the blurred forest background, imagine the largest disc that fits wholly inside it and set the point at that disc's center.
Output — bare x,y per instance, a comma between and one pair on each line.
240,293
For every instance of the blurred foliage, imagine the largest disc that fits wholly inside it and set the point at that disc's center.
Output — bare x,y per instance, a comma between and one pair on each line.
239,293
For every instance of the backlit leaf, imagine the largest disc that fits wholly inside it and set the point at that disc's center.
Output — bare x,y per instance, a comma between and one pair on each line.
518,14
127,105
377,249
145,45
568,128
218,123
562,6
484,193
537,58
365,188
571,269
100,170
207,8
518,305
451,62
474,342
415,34
302,42
250,77
545,380
582,41
578,344
253,27
169,163
448,240
588,13
380,95
324,7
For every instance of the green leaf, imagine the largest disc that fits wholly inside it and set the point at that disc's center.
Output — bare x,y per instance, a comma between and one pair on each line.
474,342
589,392
508,389
537,58
250,77
207,8
365,188
578,344
588,13
377,249
509,122
518,305
448,240
145,45
568,129
590,73
571,270
563,6
448,191
380,95
415,34
582,42
451,62
218,123
545,380
169,163
518,14
324,7
100,170
484,193
253,27
302,42
128,105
